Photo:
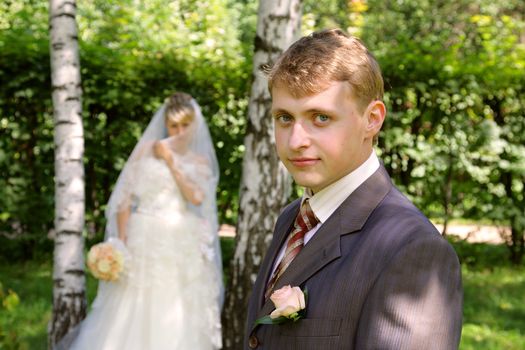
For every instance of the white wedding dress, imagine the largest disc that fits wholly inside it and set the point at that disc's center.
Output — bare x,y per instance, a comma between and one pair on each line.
169,297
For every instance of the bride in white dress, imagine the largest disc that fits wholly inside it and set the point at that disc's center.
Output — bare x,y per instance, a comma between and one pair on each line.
163,208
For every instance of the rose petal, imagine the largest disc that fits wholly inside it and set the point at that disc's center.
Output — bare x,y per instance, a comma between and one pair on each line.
281,296
103,266
284,311
300,296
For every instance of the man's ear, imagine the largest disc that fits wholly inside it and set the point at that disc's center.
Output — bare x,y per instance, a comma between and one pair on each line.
375,114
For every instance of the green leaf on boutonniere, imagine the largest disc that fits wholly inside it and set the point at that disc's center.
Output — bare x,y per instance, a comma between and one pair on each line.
305,292
269,320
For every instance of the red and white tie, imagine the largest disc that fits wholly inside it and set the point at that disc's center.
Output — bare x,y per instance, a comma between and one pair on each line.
304,222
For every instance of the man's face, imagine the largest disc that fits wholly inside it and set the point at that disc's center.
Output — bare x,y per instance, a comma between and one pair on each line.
322,137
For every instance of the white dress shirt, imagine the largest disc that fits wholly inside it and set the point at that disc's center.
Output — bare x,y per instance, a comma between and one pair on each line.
325,202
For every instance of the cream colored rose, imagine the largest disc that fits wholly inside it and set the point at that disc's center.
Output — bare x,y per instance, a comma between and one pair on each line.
93,255
104,266
287,301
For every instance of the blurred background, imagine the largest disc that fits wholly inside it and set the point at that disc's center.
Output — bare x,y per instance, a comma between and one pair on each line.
453,140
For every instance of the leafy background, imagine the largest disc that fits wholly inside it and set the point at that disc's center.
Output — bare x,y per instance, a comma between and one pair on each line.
454,138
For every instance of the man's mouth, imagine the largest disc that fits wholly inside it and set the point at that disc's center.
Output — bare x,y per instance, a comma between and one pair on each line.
302,162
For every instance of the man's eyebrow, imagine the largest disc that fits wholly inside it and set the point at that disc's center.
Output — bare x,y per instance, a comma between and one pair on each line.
320,110
279,111
309,111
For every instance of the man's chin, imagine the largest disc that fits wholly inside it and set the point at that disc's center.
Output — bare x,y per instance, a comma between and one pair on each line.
307,183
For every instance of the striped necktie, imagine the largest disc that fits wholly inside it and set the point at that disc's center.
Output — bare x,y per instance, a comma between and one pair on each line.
304,222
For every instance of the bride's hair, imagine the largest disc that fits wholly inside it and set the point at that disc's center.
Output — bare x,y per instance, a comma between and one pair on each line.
179,108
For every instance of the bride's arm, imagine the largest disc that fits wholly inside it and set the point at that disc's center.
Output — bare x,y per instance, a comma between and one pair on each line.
122,221
190,191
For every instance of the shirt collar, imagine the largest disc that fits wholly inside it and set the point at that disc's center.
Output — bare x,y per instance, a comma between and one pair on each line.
325,202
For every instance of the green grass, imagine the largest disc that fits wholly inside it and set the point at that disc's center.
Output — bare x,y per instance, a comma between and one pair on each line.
494,309
494,298
31,281
27,323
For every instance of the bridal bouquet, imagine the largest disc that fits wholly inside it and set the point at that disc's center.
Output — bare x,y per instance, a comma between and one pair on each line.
106,260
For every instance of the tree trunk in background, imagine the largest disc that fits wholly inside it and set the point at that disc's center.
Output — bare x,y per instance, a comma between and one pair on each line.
69,300
265,185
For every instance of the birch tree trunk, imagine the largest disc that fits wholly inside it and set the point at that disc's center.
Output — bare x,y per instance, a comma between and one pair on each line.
265,185
69,301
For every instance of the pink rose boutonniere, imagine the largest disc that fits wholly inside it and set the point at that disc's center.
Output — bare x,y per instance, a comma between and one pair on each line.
290,305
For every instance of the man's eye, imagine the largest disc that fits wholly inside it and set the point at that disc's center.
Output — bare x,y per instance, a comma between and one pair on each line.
322,118
283,118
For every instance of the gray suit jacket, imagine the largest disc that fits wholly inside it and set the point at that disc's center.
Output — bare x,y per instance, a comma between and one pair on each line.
379,276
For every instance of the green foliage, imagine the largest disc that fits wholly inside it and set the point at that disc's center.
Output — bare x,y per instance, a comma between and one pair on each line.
454,138
454,71
133,55
142,53
10,300
26,142
320,14
480,256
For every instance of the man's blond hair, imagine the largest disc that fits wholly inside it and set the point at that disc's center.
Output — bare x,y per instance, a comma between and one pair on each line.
315,61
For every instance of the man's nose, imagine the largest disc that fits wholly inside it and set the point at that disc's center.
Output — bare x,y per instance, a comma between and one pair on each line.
299,137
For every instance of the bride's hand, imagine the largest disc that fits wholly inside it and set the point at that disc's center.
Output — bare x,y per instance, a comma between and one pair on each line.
161,151
179,143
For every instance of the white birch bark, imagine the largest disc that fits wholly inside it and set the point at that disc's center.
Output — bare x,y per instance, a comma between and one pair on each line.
265,185
69,301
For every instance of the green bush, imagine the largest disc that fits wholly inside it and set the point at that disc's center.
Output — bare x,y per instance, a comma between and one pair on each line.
480,256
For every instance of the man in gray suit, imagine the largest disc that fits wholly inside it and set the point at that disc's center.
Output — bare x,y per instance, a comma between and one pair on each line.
378,274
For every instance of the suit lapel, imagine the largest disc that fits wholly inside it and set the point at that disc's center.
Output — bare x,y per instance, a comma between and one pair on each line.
282,229
324,247
316,254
